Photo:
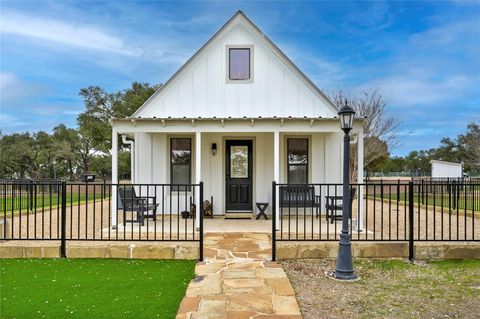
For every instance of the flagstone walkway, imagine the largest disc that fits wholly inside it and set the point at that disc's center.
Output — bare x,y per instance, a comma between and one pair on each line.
237,281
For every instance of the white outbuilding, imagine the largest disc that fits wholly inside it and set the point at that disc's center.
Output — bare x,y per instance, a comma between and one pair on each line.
442,169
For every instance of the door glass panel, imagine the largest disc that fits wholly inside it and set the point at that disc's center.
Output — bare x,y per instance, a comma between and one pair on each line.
238,161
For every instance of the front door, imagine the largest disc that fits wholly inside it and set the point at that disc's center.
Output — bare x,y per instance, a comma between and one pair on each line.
238,184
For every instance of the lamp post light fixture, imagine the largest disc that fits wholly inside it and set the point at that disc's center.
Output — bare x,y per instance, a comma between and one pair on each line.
344,268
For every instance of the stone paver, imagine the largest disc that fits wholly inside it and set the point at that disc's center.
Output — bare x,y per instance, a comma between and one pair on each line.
237,281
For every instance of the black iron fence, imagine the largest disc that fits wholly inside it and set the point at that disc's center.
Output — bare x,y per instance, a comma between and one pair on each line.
63,211
382,211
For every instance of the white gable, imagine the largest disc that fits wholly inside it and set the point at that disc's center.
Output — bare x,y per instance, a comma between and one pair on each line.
200,88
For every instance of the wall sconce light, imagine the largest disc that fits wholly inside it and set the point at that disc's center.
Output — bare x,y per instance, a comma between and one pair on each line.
214,149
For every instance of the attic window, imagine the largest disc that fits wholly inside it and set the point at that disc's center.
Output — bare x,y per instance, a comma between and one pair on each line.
239,63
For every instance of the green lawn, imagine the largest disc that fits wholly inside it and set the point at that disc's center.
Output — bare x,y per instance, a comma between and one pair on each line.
92,288
447,202
22,202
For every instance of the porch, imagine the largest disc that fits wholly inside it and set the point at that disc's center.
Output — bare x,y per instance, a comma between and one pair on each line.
173,228
210,156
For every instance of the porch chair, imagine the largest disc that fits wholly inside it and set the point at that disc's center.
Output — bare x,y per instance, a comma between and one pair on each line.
299,196
129,201
334,206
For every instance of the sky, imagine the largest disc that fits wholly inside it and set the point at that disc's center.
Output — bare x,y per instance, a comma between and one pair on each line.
423,56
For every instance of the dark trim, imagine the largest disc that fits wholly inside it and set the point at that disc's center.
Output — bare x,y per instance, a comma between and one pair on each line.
249,144
308,157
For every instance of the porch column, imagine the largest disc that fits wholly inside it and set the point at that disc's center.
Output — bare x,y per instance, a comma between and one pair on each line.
198,174
360,178
114,176
276,173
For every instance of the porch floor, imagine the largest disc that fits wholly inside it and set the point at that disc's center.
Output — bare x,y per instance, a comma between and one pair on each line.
178,228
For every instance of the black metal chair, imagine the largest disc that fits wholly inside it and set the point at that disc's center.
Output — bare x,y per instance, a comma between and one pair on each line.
128,201
334,206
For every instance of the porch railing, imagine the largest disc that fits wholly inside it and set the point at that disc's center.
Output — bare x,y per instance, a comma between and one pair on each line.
381,211
65,212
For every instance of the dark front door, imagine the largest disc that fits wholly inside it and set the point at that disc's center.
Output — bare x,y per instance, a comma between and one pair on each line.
238,184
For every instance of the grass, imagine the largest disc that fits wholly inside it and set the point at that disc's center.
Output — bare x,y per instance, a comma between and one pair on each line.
92,288
389,289
439,200
44,201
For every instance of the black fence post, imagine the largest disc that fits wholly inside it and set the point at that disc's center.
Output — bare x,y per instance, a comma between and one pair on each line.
454,191
410,221
274,221
423,192
104,188
63,248
201,222
30,191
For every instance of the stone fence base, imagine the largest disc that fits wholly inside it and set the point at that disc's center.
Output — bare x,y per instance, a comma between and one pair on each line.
285,250
126,250
422,250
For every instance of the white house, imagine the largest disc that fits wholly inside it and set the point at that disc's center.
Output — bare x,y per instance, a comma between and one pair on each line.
446,169
237,116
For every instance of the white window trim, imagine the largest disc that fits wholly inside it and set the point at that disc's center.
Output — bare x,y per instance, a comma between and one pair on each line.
227,62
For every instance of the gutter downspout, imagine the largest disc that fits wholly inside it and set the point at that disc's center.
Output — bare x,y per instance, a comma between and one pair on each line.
132,156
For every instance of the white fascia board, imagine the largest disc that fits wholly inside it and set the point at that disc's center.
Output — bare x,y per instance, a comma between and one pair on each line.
230,126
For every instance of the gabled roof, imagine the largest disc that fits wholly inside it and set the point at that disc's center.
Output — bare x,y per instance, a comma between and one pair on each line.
241,17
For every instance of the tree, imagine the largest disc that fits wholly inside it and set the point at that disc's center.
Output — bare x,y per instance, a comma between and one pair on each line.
380,129
100,107
67,145
419,161
469,144
17,157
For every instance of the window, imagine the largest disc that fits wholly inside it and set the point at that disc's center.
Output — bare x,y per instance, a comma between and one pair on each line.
297,152
239,64
180,161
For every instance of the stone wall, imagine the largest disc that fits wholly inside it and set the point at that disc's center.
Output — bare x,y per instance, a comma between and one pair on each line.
422,250
183,250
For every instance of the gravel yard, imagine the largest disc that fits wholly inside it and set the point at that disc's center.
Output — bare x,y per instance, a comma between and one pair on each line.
388,289
381,220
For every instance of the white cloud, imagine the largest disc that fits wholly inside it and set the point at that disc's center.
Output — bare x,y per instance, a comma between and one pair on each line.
437,65
321,71
412,89
449,36
14,89
8,121
63,32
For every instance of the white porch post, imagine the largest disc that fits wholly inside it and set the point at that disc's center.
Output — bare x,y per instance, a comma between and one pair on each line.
360,178
276,173
114,176
198,174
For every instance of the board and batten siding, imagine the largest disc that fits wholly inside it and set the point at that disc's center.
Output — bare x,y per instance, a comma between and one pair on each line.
153,164
201,89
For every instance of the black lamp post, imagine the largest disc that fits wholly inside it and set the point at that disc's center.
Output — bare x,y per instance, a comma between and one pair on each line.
344,268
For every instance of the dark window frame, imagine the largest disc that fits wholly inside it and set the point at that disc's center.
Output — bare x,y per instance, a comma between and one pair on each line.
249,63
288,160
179,188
